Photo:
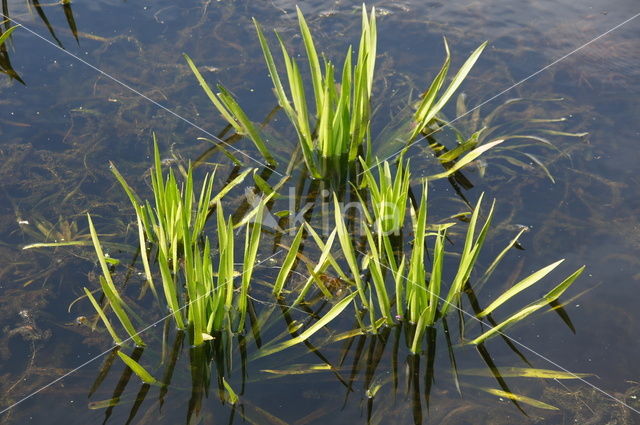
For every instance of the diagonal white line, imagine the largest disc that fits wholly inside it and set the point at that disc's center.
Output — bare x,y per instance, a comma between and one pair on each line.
446,124
128,87
470,315
91,360
271,256
531,350
524,346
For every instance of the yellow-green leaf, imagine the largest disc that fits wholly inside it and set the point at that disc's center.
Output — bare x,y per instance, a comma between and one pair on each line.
465,160
519,287
299,369
138,369
328,317
521,398
524,372
233,397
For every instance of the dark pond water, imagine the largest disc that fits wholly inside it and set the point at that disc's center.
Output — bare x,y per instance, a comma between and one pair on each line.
62,121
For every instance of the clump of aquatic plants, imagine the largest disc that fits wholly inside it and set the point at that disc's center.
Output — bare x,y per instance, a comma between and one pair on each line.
340,126
201,296
422,298
198,293
387,280
391,284
394,283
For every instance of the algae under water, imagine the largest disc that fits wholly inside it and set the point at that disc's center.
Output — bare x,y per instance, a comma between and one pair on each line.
62,126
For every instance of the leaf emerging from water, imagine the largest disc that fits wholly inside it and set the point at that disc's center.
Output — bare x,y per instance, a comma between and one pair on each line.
233,397
550,296
299,369
524,372
465,160
7,34
521,398
519,287
328,317
138,369
103,404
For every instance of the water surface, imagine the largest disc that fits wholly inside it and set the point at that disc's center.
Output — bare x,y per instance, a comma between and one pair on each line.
62,124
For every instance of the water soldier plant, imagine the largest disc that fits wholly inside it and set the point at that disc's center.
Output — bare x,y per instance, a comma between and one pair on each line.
200,295
340,128
394,273
196,297
393,286
397,277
